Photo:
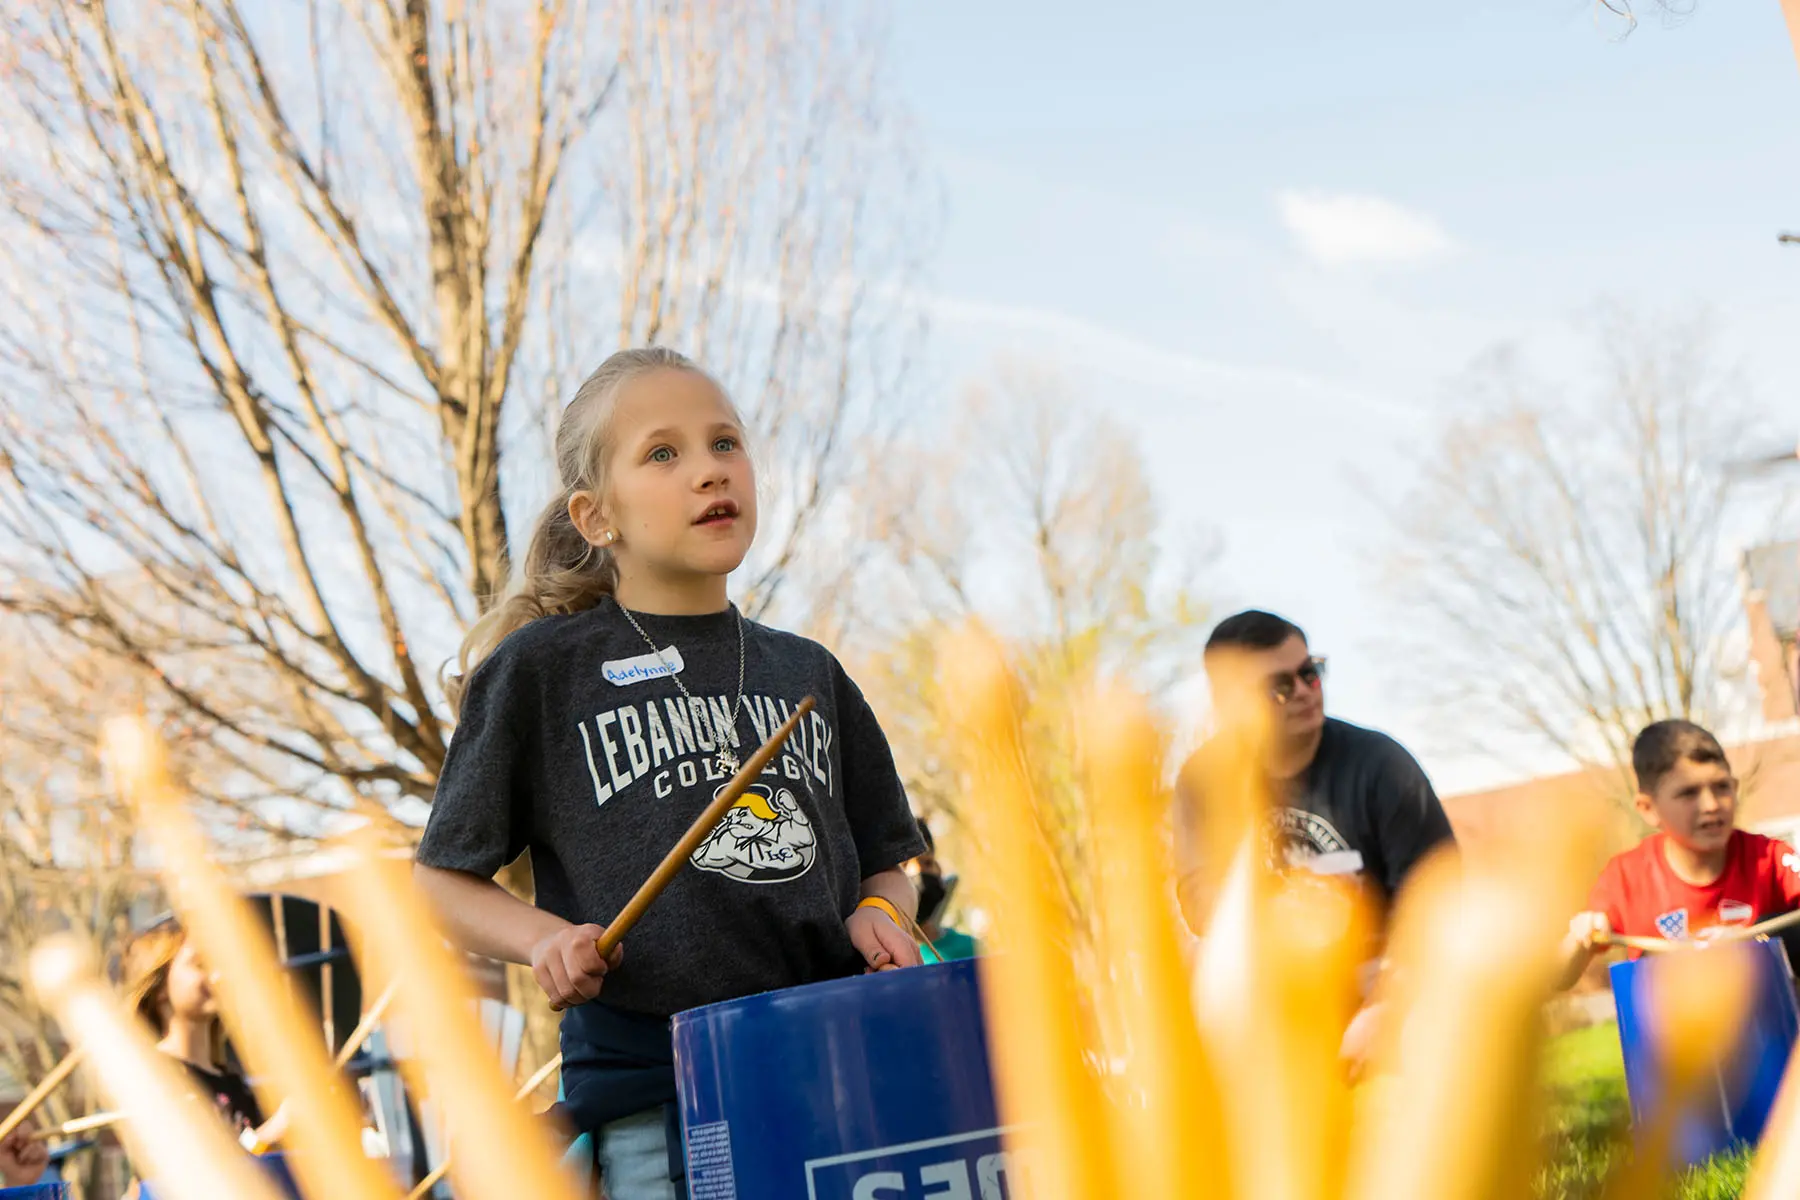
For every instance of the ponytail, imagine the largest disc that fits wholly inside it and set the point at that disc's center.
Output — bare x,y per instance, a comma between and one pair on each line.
563,572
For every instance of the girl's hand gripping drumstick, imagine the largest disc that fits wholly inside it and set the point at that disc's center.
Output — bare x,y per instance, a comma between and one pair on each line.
607,943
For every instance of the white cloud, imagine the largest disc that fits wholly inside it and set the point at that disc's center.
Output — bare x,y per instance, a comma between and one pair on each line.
1340,229
1079,342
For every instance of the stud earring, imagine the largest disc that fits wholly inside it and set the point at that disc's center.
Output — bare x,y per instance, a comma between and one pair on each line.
611,537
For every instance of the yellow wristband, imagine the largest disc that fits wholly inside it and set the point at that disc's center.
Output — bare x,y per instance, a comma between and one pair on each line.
877,902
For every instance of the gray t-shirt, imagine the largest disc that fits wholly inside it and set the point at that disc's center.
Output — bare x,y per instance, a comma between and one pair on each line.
576,744
1362,807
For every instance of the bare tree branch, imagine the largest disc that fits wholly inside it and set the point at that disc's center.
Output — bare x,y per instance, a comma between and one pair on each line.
1563,562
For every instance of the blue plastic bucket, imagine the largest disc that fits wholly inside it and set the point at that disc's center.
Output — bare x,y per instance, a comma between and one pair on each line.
274,1164
36,1191
1734,1106
876,1086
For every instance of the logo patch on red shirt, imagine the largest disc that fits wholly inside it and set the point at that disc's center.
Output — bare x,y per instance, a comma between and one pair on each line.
1673,925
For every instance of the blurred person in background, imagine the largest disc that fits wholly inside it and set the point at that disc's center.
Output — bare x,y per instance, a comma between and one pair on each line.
935,890
1345,802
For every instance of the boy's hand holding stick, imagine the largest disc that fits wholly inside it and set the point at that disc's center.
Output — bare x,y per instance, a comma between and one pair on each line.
690,841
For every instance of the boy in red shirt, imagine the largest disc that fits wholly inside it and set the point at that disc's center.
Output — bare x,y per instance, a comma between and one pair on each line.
1696,874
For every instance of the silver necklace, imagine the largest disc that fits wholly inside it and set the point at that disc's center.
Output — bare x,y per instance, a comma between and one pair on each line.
727,758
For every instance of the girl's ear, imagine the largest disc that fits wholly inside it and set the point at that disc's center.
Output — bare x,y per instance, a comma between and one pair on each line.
589,518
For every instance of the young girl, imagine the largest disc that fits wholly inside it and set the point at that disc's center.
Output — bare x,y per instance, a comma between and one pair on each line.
171,992
604,701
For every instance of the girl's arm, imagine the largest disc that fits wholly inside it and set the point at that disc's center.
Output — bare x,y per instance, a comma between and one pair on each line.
896,888
484,918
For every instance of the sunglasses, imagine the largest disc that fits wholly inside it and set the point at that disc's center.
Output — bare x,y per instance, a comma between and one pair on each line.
1283,684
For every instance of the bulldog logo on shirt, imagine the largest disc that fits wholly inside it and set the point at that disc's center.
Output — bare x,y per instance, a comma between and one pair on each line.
765,838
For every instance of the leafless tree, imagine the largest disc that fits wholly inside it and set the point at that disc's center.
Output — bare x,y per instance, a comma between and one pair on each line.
1564,563
67,855
290,293
1034,514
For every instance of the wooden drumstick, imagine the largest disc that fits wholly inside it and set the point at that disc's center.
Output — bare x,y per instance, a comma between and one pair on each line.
1772,925
87,1124
41,1092
525,1089
365,1027
1646,944
697,833
352,1044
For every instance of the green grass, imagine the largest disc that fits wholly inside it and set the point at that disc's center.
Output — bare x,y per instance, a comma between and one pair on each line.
1590,1124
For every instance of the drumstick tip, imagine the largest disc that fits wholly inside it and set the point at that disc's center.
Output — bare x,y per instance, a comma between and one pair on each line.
58,964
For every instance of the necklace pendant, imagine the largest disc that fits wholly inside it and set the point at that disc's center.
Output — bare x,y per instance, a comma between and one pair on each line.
728,762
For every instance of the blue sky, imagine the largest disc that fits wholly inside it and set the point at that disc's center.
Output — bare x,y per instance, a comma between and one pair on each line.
1263,235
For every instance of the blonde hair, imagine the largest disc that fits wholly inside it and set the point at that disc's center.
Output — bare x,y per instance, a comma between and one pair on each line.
562,572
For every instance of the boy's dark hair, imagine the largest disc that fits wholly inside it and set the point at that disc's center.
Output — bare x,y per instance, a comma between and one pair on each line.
1664,743
1252,629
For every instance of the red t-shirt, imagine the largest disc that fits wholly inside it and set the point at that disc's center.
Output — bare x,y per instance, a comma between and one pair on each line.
1642,896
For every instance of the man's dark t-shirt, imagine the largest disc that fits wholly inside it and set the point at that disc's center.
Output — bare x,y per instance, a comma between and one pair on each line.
1363,806
575,743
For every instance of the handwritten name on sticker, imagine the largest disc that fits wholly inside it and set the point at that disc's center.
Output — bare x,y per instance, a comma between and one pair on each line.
623,672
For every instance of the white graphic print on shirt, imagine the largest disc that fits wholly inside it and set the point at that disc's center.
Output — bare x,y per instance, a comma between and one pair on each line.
765,838
672,741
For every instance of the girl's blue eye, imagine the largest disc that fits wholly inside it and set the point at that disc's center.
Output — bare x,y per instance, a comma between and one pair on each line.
662,454
725,445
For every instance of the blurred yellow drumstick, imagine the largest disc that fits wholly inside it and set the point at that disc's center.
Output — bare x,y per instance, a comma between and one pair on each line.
1171,1146
525,1089
275,1129
501,1150
269,1024
1034,1018
174,1137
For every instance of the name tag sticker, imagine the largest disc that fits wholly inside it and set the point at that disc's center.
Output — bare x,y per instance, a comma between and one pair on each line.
1734,912
1335,862
623,672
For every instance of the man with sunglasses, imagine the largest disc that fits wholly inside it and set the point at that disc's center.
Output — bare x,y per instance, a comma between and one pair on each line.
1349,801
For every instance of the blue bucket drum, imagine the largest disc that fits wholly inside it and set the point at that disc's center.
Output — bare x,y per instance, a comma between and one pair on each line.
1734,1106
871,1088
36,1191
274,1165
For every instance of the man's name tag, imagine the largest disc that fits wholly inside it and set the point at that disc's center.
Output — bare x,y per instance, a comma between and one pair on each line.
1335,862
623,672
